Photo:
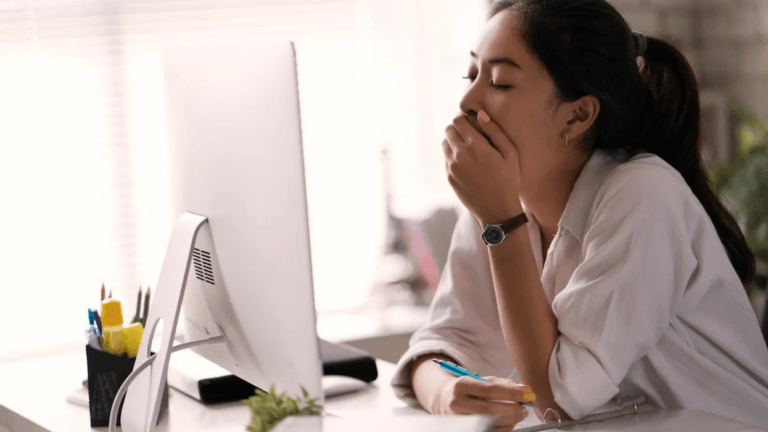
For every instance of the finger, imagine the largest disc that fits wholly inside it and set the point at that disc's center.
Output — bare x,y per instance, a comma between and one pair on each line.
454,137
495,389
469,133
507,412
528,394
507,382
447,150
491,129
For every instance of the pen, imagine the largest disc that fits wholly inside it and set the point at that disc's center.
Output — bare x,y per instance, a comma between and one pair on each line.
460,371
97,327
456,369
97,319
91,333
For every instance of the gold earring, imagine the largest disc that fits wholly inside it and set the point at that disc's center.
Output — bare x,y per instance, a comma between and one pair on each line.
566,141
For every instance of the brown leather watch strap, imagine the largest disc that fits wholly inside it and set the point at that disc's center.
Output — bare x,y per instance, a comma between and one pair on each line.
514,223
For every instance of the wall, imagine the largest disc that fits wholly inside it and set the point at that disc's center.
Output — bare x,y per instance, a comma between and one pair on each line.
724,40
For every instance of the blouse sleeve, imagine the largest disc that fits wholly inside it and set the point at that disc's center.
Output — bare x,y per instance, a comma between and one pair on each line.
463,320
637,263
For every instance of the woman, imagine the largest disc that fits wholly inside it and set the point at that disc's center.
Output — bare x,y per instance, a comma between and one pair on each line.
628,276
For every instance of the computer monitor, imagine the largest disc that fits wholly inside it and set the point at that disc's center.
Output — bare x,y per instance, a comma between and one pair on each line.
238,262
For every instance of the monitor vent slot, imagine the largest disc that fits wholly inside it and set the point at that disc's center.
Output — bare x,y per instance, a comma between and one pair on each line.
203,266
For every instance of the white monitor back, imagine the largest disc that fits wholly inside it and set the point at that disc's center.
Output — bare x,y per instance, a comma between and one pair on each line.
236,157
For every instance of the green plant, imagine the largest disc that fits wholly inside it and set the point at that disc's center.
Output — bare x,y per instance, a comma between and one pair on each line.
268,408
742,183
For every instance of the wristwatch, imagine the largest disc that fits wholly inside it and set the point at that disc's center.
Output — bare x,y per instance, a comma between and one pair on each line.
494,234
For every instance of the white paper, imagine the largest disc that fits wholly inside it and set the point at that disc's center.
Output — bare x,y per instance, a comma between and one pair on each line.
386,423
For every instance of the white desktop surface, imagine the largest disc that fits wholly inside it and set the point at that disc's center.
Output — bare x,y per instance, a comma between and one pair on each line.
33,399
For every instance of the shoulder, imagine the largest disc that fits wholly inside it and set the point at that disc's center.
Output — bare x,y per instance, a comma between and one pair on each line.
645,171
644,180
645,193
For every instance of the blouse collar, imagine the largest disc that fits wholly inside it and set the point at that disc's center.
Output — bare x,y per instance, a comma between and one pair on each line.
597,168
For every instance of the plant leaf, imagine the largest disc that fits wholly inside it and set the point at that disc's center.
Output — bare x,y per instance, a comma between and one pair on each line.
269,408
749,187
753,120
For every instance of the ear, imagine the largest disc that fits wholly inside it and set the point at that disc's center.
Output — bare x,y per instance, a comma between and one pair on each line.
580,116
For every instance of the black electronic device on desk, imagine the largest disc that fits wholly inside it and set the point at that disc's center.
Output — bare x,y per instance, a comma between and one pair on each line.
195,376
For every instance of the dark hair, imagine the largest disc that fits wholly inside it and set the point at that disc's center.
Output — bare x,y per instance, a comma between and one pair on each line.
588,49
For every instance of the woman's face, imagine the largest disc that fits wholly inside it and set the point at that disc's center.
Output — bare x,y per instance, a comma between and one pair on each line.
510,84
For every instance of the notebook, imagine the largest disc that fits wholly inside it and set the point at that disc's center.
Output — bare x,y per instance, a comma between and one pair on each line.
627,408
387,423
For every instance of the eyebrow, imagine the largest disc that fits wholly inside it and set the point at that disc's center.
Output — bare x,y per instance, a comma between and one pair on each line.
498,60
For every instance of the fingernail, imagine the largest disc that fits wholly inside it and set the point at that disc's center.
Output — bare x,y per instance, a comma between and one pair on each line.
483,116
529,397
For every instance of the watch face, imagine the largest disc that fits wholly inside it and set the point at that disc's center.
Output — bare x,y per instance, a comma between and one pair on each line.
493,235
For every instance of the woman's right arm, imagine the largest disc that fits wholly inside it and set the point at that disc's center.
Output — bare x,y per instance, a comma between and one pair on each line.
441,393
429,381
462,327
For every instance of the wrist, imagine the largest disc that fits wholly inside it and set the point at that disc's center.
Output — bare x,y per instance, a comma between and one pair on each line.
500,217
429,381
494,234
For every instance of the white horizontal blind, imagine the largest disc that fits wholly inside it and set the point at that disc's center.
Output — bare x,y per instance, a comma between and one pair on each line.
83,168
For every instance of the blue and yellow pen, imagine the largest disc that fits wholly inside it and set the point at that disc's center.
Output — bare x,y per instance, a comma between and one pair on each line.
460,371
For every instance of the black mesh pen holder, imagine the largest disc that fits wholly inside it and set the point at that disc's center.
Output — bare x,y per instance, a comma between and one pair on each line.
106,373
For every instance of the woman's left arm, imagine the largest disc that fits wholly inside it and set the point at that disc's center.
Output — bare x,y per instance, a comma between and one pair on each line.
528,322
475,170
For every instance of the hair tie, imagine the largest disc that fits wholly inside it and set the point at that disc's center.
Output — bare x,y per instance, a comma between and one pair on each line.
640,43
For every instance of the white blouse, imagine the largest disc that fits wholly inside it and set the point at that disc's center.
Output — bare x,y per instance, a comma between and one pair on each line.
646,299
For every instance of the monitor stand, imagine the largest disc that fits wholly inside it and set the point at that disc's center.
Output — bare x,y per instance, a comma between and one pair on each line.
142,401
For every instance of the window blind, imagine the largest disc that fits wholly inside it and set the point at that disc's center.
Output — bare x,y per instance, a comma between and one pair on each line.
85,187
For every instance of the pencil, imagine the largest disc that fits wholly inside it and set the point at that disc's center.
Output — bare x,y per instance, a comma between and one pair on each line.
102,291
146,309
137,317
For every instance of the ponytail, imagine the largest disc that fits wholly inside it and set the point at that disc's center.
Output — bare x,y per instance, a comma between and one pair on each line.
673,132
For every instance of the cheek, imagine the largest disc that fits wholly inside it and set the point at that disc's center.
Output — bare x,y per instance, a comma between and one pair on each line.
529,130
517,120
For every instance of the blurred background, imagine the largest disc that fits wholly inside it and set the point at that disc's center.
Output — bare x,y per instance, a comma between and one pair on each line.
83,175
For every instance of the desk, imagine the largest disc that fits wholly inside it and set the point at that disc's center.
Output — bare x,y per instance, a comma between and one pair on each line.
33,399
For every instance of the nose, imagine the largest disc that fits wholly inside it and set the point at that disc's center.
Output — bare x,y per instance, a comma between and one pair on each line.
471,102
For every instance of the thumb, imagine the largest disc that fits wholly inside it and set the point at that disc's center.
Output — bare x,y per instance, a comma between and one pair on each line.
491,129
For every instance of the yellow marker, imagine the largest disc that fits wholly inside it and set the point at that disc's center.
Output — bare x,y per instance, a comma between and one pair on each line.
114,342
111,313
112,324
132,334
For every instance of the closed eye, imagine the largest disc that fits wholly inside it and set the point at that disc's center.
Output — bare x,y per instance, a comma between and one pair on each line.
471,78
